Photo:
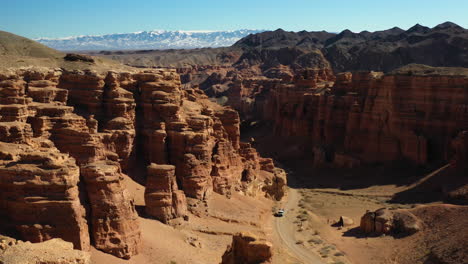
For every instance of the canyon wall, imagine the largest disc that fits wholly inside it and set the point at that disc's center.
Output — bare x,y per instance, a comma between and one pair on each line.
351,119
69,138
370,117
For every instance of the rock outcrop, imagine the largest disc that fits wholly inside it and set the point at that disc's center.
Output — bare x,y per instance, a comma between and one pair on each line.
247,248
58,127
163,199
114,220
385,221
54,251
39,195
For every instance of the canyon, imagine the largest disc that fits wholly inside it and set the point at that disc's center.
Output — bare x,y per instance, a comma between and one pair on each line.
187,158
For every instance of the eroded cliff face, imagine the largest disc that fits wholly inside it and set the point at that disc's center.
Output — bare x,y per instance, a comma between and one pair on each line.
371,117
68,139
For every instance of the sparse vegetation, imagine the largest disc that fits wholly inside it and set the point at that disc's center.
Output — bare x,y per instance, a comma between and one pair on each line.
316,241
324,252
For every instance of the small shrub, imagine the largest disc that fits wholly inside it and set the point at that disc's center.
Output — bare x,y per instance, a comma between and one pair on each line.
316,241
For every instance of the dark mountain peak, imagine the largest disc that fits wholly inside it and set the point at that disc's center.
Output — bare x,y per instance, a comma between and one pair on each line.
386,33
365,34
395,29
270,39
447,25
346,33
418,29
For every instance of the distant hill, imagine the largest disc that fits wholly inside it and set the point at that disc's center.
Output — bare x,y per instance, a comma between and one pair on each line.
14,45
17,51
158,39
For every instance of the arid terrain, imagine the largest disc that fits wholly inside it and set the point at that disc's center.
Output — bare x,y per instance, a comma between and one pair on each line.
187,156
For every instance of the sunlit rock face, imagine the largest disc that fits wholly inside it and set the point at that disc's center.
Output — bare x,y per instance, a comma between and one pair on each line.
69,138
372,117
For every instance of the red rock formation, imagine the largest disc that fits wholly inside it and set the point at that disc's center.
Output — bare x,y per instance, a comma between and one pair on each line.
39,195
371,117
44,121
113,216
198,137
39,185
163,199
384,221
56,125
249,249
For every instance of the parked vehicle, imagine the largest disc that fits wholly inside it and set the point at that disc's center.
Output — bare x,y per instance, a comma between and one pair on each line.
279,213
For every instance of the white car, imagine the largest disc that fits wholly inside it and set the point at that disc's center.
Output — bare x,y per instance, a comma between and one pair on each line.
279,213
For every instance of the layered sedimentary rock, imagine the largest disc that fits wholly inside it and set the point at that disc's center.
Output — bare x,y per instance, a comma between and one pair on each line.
249,249
57,127
39,185
163,199
36,120
371,117
184,129
113,217
39,195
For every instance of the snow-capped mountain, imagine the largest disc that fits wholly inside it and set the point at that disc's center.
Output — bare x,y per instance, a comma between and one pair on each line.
156,39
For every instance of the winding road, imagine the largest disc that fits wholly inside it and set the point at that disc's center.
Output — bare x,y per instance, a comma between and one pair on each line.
285,230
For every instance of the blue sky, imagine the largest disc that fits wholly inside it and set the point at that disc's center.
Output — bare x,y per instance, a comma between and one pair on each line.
61,18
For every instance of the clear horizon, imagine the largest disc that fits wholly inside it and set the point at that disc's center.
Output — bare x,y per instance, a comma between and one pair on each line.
59,19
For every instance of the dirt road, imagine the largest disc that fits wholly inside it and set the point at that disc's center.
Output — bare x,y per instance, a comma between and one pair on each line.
285,229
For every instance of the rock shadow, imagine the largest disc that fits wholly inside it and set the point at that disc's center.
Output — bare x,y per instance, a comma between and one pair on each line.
356,232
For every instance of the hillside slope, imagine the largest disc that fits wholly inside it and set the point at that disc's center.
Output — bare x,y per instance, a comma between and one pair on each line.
17,52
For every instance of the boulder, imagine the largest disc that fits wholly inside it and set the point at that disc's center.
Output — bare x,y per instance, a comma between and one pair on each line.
385,221
247,248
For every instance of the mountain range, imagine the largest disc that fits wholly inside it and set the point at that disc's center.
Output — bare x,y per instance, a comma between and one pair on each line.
445,45
156,39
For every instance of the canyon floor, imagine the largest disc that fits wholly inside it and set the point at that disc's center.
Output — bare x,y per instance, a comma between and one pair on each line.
318,197
308,233
204,238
